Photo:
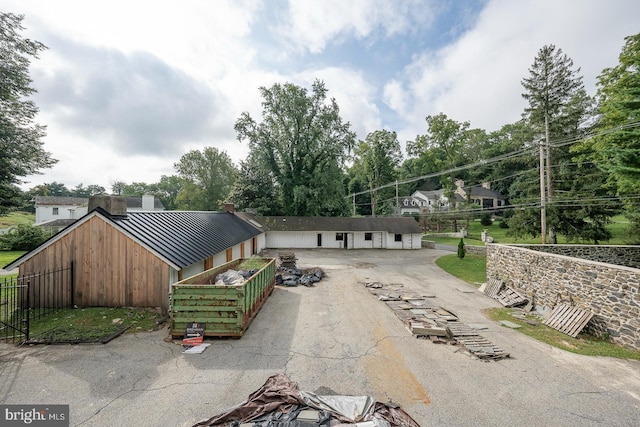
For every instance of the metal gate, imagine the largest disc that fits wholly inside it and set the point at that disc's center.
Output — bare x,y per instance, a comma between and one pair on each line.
29,297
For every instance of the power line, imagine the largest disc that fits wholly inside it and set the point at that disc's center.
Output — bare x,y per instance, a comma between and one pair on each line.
556,143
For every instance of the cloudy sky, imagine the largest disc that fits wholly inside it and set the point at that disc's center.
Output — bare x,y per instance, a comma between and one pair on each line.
127,87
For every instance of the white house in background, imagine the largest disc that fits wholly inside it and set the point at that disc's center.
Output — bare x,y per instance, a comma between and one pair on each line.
423,202
59,208
62,211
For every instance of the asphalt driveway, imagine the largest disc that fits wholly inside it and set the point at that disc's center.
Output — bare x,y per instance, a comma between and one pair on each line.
335,337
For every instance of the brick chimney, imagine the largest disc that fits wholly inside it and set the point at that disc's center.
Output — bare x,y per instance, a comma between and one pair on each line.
486,185
115,205
230,207
148,202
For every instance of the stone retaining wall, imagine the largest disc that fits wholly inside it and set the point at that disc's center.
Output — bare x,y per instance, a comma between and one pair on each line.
609,291
618,255
475,250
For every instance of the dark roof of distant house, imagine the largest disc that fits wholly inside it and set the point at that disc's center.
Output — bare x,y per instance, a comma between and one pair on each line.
398,225
59,200
480,191
186,237
180,237
57,223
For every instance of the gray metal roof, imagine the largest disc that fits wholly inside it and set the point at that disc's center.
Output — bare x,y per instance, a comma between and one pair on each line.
398,225
185,237
61,201
480,191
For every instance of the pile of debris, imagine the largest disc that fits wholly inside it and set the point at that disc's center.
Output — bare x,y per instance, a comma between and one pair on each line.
287,259
295,277
232,277
288,274
425,320
280,403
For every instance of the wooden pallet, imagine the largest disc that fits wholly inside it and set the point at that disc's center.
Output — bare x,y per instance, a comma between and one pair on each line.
568,320
482,348
510,298
459,329
493,287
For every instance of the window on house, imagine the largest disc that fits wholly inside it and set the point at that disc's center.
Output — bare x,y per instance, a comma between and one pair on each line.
55,211
398,237
368,236
339,236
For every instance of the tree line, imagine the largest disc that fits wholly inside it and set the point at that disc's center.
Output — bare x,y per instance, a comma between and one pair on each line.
573,157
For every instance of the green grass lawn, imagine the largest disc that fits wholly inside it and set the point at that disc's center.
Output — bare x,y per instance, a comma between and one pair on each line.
92,324
472,268
9,256
583,344
15,218
618,227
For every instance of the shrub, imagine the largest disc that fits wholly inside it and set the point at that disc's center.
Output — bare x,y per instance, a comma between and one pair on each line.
22,238
461,251
485,219
503,224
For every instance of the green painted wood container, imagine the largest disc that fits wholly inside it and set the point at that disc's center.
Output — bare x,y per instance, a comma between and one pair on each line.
226,310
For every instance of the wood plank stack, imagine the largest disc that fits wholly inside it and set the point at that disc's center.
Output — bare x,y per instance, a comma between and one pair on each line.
287,259
568,320
496,289
425,320
493,287
510,298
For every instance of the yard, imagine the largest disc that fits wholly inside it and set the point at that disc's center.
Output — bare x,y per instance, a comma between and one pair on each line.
334,338
618,228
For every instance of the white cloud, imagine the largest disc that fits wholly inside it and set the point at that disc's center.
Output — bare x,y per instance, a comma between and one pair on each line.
477,78
158,77
312,25
354,96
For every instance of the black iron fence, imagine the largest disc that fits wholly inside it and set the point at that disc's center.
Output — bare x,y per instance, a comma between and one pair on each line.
29,297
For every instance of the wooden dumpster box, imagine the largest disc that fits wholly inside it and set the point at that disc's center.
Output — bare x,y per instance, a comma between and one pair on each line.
227,310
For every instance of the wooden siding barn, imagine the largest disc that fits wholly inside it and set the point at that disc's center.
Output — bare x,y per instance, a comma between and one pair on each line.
131,259
110,268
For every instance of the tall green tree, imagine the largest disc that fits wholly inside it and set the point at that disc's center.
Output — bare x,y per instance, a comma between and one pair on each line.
21,145
88,191
255,189
208,177
558,104
167,190
616,148
304,144
445,146
376,162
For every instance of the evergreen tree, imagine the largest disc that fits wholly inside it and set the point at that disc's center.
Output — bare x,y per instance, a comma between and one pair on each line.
616,148
558,104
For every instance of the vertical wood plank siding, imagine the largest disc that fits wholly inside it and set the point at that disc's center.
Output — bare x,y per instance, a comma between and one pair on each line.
111,270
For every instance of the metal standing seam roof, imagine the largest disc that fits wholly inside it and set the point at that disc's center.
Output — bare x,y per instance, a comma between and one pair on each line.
186,237
398,225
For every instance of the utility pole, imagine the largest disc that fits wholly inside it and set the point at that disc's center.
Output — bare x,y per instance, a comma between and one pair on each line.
543,202
354,204
397,200
552,233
